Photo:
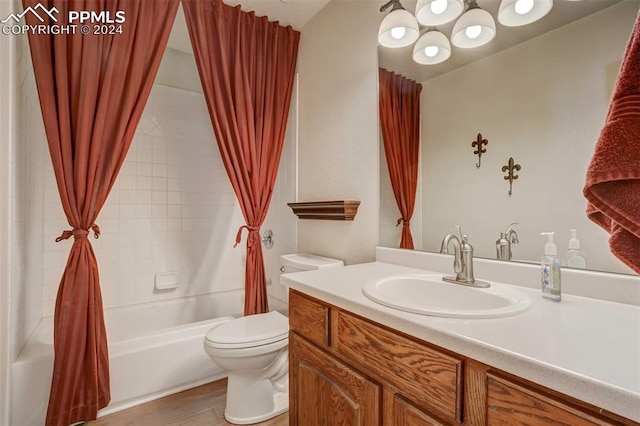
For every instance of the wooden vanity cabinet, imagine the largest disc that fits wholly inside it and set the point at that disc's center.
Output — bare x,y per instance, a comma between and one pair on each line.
348,370
327,391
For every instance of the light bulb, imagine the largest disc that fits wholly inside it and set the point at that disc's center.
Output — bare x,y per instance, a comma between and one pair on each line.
473,31
431,51
398,32
523,7
438,6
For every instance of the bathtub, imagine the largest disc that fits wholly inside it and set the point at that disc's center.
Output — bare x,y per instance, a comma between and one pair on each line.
155,349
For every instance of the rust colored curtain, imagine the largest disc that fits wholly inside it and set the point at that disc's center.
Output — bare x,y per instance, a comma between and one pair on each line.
92,89
399,105
247,66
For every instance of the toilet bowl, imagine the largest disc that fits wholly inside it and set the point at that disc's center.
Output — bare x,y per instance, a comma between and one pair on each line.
253,351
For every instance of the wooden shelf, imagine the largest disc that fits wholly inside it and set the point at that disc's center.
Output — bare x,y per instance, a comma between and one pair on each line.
327,210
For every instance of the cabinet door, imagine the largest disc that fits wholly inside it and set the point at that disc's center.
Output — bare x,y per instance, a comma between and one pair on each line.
323,391
405,414
429,378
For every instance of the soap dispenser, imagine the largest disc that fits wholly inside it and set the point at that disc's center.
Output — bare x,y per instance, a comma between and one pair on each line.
574,257
550,277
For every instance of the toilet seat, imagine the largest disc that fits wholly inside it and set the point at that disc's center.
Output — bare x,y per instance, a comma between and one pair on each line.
249,331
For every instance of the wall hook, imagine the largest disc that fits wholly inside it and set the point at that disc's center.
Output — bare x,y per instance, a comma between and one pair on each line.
479,142
510,167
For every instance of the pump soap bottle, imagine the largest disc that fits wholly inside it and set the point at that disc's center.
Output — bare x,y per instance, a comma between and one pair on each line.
574,257
550,270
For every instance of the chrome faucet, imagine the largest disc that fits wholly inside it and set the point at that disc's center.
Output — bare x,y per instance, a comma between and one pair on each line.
503,245
462,261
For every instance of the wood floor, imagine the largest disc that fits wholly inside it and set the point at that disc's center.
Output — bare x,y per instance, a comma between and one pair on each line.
203,405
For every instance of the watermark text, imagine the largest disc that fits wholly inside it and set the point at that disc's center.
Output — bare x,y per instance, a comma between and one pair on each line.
78,22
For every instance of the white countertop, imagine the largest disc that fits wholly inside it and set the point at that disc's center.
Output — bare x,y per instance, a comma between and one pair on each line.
586,348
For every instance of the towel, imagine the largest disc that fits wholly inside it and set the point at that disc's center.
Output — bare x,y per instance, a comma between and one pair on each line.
612,186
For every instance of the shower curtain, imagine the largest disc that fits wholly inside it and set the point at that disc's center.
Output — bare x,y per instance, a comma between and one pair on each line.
246,66
92,90
399,106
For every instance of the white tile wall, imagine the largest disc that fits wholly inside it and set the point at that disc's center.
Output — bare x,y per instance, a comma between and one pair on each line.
27,155
171,209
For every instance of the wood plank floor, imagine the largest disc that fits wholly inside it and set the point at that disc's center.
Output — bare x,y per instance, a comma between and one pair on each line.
203,405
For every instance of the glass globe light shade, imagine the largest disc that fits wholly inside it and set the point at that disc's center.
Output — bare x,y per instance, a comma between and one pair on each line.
432,48
515,13
398,29
438,12
475,28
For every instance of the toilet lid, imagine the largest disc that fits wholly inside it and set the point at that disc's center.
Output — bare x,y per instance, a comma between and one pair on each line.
252,330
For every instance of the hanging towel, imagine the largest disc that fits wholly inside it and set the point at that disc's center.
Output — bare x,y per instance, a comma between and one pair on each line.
612,187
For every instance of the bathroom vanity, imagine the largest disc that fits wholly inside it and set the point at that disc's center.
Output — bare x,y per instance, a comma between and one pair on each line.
356,362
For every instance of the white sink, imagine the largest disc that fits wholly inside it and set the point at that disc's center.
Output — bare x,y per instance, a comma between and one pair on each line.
427,294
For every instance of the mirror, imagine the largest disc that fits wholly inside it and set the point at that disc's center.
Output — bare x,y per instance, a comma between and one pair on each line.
541,102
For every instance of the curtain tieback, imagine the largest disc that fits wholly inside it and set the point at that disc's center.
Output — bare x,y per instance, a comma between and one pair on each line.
239,234
404,222
77,233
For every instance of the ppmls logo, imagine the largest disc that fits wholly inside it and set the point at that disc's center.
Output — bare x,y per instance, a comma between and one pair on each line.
78,21
34,11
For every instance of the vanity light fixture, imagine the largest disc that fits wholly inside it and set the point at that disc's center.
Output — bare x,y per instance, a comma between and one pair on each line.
514,13
399,28
474,28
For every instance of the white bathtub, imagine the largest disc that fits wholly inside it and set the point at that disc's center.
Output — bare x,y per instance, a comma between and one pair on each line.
155,349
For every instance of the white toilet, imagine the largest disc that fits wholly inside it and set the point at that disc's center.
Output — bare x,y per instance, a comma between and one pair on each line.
254,352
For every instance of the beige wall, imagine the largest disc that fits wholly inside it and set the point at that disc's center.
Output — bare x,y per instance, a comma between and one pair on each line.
338,127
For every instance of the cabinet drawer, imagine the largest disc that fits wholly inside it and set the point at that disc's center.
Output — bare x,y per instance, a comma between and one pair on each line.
309,318
430,379
509,403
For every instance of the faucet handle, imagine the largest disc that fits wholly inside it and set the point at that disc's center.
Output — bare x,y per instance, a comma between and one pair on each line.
465,246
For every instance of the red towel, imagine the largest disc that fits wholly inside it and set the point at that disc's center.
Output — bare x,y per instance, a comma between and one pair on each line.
613,177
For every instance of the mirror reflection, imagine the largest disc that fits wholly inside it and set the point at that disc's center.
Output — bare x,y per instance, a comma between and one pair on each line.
540,103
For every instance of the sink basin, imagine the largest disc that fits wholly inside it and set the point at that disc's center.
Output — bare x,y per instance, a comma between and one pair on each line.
427,294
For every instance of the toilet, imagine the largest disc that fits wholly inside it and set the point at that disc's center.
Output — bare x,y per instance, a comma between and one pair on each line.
254,352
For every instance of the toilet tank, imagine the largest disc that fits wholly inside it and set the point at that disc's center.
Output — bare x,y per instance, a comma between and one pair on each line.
307,262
